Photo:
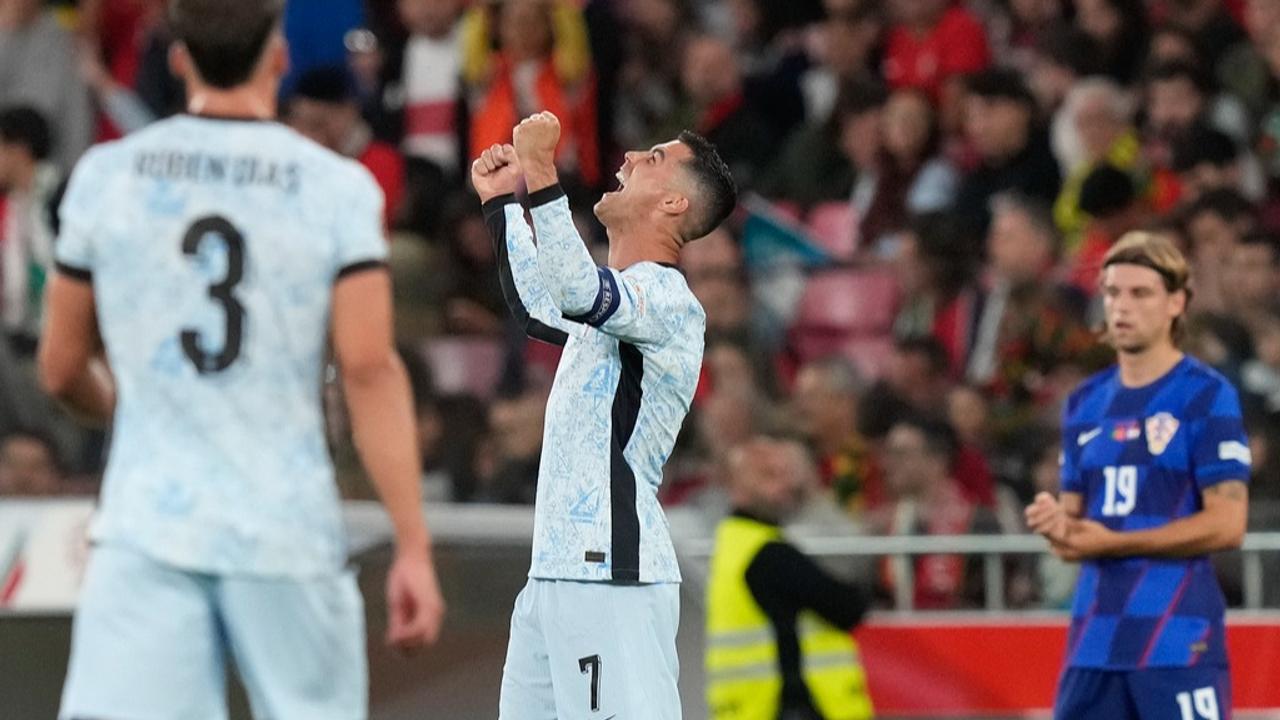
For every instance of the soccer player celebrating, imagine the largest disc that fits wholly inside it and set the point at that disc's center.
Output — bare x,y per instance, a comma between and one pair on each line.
209,256
1154,470
593,632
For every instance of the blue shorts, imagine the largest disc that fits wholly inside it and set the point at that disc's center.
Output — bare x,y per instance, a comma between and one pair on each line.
151,642
1191,693
592,651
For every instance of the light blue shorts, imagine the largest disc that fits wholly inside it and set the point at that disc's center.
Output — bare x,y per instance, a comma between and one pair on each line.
592,651
151,642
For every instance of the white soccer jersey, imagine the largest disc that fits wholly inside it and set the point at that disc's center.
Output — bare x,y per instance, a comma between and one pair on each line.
633,342
213,246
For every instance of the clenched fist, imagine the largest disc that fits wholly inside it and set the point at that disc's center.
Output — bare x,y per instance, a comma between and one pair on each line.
496,172
536,138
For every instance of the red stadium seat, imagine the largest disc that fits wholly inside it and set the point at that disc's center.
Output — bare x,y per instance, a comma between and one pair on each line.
848,302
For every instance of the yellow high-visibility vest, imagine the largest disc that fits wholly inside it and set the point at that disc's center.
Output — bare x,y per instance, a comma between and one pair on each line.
744,681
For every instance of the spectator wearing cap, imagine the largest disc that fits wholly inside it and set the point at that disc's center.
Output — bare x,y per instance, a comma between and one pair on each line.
29,179
38,70
326,108
1094,127
1013,151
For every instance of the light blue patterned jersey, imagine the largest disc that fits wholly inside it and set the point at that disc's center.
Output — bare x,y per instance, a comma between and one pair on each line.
633,343
212,247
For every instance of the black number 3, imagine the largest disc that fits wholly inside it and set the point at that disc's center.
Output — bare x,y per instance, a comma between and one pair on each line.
204,361
591,664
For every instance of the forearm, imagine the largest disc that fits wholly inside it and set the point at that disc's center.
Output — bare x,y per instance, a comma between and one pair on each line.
382,425
570,274
1199,534
90,395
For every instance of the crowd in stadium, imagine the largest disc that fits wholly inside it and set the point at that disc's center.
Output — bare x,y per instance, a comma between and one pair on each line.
910,284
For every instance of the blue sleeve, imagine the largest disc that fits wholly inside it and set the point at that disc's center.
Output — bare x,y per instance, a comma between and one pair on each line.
640,304
360,241
1219,445
519,273
1068,472
78,217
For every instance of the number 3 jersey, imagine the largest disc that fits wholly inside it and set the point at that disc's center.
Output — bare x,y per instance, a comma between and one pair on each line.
213,246
1141,457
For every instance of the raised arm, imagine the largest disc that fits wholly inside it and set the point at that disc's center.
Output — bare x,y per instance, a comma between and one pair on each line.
495,175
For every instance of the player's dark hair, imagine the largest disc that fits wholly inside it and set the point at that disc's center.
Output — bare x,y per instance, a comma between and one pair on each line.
330,84
25,126
718,193
225,38
1156,252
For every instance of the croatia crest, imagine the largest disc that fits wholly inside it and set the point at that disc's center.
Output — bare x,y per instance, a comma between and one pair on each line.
1161,428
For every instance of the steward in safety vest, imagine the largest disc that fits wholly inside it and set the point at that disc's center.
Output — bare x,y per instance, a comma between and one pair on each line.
778,626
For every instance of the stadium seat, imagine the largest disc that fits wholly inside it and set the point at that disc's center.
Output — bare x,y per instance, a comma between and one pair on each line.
848,302
833,226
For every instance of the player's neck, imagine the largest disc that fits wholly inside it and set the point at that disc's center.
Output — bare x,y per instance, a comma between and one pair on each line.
1143,368
251,102
623,253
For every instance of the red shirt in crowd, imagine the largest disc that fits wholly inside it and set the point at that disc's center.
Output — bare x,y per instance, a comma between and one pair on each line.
955,46
387,166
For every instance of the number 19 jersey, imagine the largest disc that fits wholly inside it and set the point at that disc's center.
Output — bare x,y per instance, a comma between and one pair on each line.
212,246
1141,457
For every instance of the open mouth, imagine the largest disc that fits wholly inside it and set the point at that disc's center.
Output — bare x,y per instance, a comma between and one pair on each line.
622,180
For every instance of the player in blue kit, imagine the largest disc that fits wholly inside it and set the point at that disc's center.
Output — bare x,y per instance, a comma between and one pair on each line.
201,265
593,632
1154,470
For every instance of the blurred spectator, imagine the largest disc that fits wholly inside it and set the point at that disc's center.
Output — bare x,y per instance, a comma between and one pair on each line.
1252,279
542,61
1093,127
39,61
123,108
1243,70
1260,377
932,44
1110,201
649,80
713,268
718,109
926,500
431,70
29,464
1061,59
1206,159
916,378
1000,122
29,179
1056,579
1214,223
316,38
324,107
814,163
1018,27
1029,325
843,51
473,292
913,177
1172,43
508,464
1209,24
1119,30
824,406
935,267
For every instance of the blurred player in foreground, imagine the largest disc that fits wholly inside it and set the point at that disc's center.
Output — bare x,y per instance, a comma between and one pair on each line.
1154,471
208,256
593,632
